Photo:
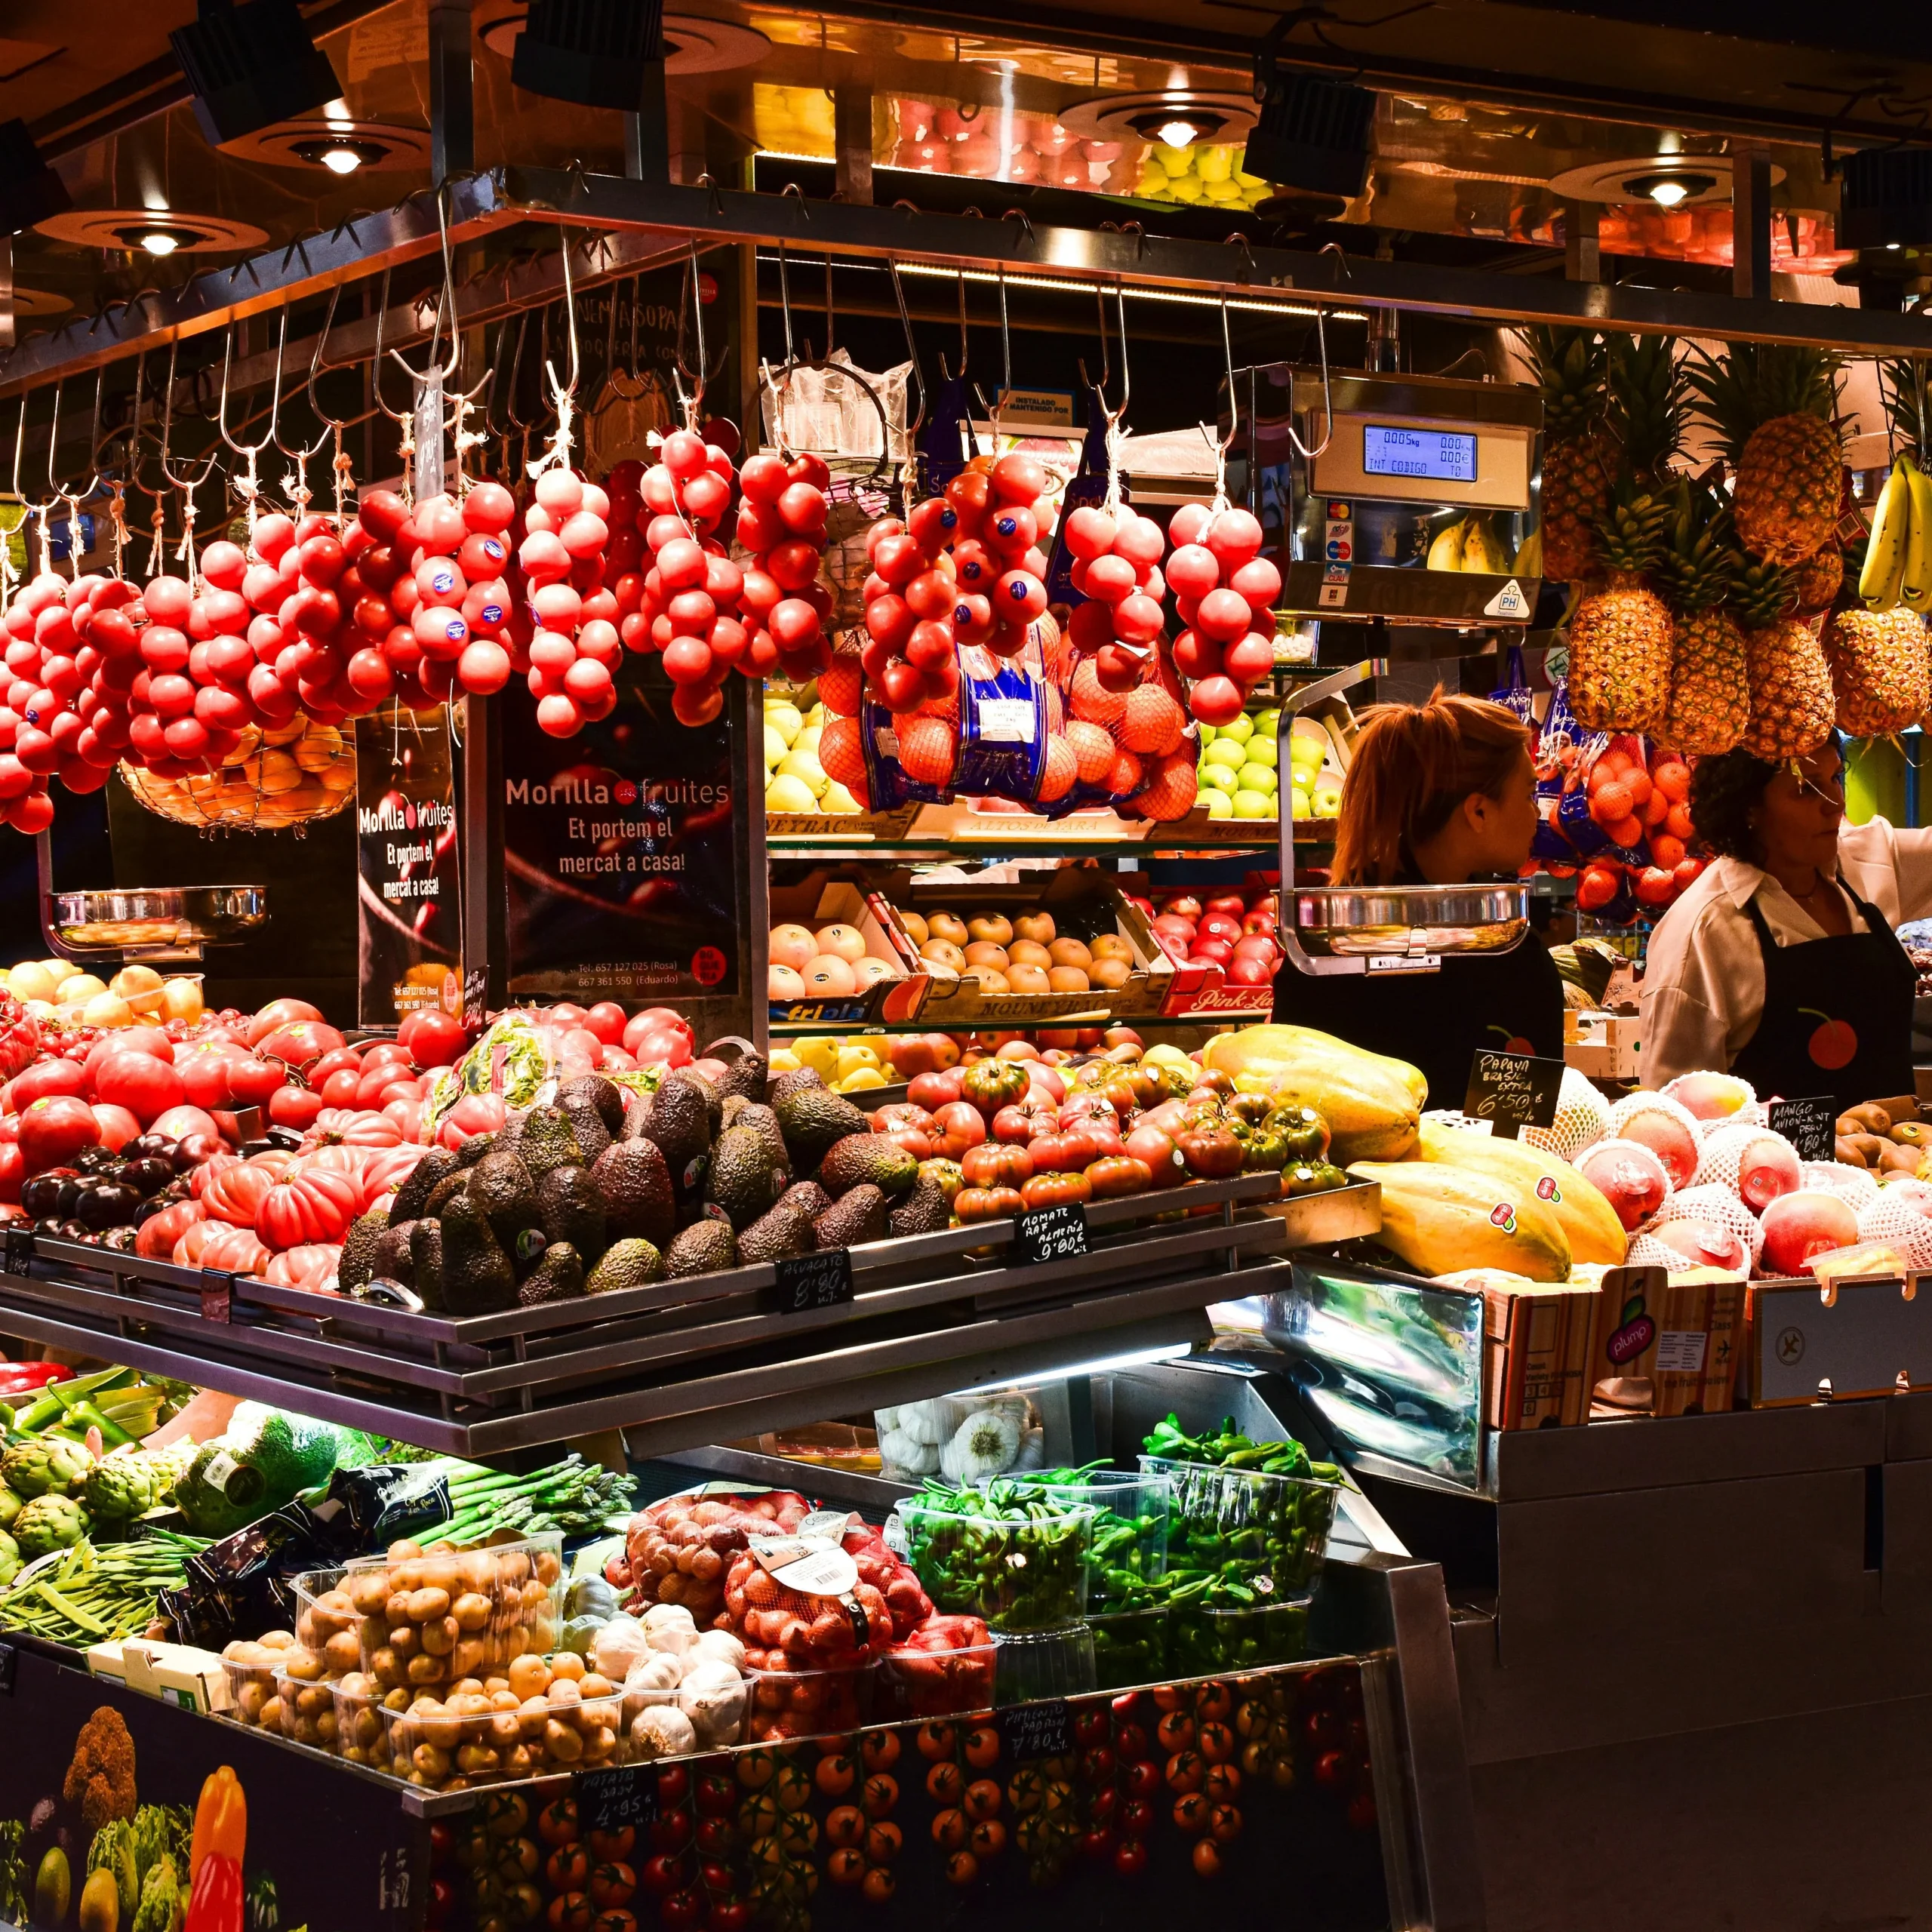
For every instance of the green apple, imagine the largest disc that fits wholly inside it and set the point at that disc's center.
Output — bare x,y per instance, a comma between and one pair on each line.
1206,733
1263,751
786,793
1268,723
1254,805
1240,729
1256,778
1218,804
784,719
1299,806
775,748
1327,801
1228,754
1216,778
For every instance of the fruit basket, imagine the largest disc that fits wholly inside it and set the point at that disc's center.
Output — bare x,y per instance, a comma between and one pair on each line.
285,775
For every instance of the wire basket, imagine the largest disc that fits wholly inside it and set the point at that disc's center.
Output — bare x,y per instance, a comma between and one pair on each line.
282,776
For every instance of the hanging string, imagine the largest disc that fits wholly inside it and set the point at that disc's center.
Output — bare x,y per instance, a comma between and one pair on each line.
562,395
1116,436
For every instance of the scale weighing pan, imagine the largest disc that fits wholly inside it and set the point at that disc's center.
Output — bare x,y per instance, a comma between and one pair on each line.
162,922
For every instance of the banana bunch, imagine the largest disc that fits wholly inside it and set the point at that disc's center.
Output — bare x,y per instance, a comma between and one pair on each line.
1898,558
1469,544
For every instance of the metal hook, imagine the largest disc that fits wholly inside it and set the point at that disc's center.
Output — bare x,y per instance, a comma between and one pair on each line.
561,390
917,422
1328,404
1220,444
252,449
398,416
188,485
1113,415
830,311
946,375
992,413
785,308
59,488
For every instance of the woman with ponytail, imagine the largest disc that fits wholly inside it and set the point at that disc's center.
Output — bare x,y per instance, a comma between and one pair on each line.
1438,794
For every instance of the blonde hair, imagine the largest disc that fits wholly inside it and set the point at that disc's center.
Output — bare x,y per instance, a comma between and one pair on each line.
1413,765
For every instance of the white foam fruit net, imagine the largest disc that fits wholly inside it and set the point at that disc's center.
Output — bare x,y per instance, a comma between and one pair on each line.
1723,1154
1850,1183
1635,1106
1901,1228
1646,1252
1582,1118
1619,1168
1721,1207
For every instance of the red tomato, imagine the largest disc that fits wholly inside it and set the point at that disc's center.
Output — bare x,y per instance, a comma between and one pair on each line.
433,1038
146,1086
54,1128
294,1107
280,1013
1130,1858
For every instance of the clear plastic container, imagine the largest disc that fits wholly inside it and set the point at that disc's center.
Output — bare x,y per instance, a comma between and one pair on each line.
307,1710
1207,1643
1017,1572
252,1665
1130,1646
428,1621
1274,1529
938,1683
1031,1664
358,1720
809,1703
326,1622
1129,1534
445,1748
575,1733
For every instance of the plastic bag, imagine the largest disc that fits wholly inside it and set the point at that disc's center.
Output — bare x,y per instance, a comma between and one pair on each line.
1514,694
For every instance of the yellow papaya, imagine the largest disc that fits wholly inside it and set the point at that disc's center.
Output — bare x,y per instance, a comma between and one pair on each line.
1439,1218
1372,1103
1589,1222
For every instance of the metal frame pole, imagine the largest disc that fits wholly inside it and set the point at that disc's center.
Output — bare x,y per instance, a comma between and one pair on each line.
452,91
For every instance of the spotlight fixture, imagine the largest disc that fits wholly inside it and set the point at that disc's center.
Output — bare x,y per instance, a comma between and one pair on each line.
159,236
30,190
340,154
1310,133
1178,128
153,231
1885,200
591,53
1669,187
251,66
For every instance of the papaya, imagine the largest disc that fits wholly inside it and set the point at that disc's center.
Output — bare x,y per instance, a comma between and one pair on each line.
1589,1222
1372,1103
1439,1218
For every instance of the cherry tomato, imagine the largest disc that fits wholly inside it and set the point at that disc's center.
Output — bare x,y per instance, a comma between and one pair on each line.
982,1747
556,1823
982,1798
1098,1764
613,1847
1191,1812
879,1750
878,1885
846,1866
1216,1742
835,1777
716,1797
945,1782
936,1741
674,1785
988,1838
882,1842
716,1837
846,1825
1185,1771
1129,1858
728,1915
1216,1701
1222,1784
961,1868
1224,1823
1330,1768
949,1828
1089,1726
1208,1859
1137,1817
681,1910
671,1832
568,1869
1143,1780
1175,1732
881,1794
1131,1741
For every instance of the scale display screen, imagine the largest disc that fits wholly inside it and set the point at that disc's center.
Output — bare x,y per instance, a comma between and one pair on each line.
1442,456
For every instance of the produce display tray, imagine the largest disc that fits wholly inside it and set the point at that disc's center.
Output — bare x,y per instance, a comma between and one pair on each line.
673,1353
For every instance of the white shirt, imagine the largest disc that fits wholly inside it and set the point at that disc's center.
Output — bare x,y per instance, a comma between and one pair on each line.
1703,987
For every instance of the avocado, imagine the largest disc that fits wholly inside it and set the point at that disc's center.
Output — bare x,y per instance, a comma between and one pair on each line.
679,1121
414,1191
545,1138
800,1080
606,1096
558,1276
777,1236
756,1115
809,1195
634,1183
703,1248
858,1215
392,1261
478,1279
500,1184
925,1211
426,1263
570,1209
812,1120
867,1157
630,1263
742,1180
637,1111
446,1190
732,1106
356,1265
473,1150
586,1121
750,1074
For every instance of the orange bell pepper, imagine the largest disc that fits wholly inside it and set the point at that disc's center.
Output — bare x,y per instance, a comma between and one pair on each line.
221,1821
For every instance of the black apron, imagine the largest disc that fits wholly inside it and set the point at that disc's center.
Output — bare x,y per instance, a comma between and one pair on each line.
1808,1042
1511,1002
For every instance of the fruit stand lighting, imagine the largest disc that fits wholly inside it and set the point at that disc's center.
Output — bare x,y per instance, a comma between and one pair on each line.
340,154
1176,129
251,66
1669,186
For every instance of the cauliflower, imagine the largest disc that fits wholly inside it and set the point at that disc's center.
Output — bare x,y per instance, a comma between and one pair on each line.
100,1779
713,1696
670,1627
662,1731
662,1670
720,1647
620,1644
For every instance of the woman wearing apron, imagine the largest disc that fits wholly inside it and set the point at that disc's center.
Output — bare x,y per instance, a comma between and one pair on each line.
1780,964
1438,794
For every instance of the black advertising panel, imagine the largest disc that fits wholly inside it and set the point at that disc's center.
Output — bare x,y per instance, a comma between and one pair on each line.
408,909
626,853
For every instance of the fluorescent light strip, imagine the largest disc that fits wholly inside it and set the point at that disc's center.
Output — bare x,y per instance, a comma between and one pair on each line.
1066,285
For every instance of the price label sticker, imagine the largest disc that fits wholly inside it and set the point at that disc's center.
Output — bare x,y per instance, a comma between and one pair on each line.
624,1796
813,1568
17,1258
1058,1233
1809,1125
814,1281
1513,1091
1006,721
827,1525
217,1295
1029,1732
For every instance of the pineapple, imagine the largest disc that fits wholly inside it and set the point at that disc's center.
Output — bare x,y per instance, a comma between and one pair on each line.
1792,708
1898,381
1817,582
1881,677
1649,401
1620,635
1578,455
1773,406
1710,702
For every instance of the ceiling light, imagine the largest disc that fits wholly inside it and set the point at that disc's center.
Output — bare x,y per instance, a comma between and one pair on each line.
338,153
160,242
1312,133
1177,128
1669,187
158,237
249,66
591,53
30,190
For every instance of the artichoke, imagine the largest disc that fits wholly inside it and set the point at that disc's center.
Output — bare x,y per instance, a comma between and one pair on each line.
10,1501
163,1909
49,1466
10,1559
49,1523
119,1489
161,1832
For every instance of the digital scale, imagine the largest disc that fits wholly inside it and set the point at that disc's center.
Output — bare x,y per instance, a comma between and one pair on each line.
1406,498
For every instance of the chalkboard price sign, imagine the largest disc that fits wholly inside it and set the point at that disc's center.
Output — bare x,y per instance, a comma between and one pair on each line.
1029,1732
814,1281
608,1800
1809,1125
1513,1091
217,1294
1058,1233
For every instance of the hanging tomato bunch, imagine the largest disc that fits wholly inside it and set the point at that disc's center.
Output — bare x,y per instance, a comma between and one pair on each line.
1117,568
1224,592
782,526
